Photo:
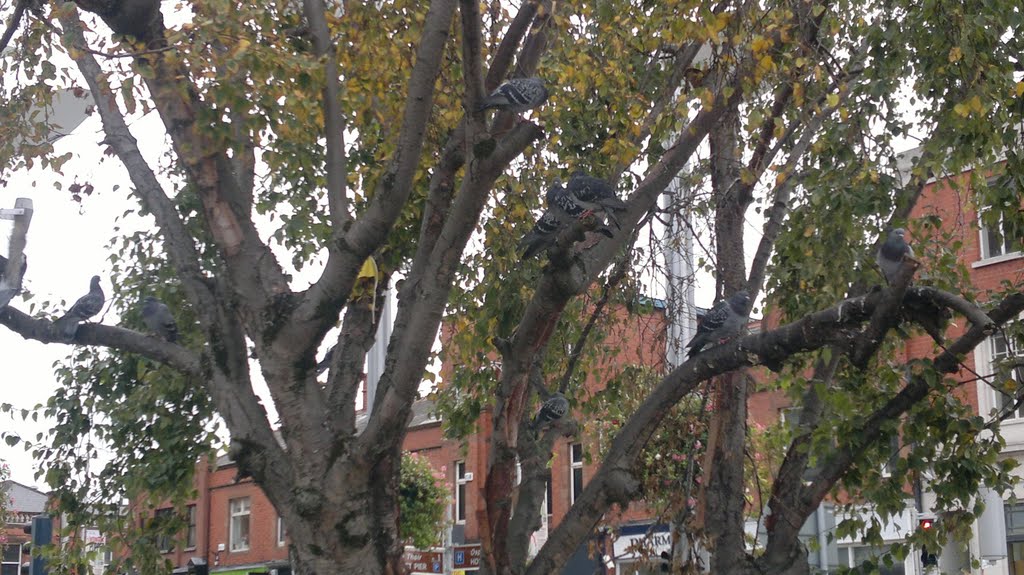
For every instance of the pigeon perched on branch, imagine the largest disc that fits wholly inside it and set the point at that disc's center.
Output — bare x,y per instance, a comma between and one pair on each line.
517,95
891,253
724,320
584,195
553,409
542,236
158,319
86,307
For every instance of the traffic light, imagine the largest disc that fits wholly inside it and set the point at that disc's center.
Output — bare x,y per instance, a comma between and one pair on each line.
927,559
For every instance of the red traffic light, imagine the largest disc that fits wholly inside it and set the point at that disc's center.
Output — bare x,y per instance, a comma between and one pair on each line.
926,524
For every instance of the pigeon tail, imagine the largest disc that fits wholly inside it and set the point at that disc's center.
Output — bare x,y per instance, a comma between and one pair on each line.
66,327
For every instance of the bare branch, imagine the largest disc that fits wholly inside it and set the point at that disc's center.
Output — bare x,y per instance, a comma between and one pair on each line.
507,49
334,121
12,25
178,242
319,306
176,356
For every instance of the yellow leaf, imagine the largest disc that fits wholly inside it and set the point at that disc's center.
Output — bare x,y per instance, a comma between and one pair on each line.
760,44
961,110
808,231
833,100
955,54
976,105
241,47
1020,89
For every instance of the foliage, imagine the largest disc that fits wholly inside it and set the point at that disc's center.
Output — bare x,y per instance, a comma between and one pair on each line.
670,467
424,500
817,93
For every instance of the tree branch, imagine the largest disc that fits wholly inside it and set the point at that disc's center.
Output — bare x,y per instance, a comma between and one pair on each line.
175,356
334,121
319,306
178,242
871,430
814,331
12,25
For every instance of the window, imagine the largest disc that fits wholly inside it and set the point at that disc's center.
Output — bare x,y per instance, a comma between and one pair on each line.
575,471
460,491
239,528
855,555
160,520
995,243
1014,515
893,459
280,531
190,534
547,499
10,560
1003,350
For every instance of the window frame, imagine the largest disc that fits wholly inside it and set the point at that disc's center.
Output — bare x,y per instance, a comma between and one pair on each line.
548,493
240,515
191,530
164,541
575,468
1010,349
17,564
281,531
460,492
986,235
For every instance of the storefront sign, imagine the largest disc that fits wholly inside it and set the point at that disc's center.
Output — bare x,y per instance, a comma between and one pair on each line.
654,543
467,556
417,561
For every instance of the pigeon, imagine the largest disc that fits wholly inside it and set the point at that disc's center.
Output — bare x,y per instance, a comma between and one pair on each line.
553,409
890,254
87,306
325,363
158,319
725,319
589,194
517,95
542,236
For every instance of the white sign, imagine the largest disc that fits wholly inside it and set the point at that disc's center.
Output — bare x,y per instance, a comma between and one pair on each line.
95,537
655,542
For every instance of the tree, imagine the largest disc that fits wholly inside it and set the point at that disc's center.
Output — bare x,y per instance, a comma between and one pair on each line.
354,132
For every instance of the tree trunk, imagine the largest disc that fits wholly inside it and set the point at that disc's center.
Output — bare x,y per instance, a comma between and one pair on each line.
348,523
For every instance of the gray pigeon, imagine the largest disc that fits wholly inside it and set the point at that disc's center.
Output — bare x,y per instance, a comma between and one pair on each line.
725,319
542,236
325,363
589,194
891,253
517,95
553,409
157,317
87,306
